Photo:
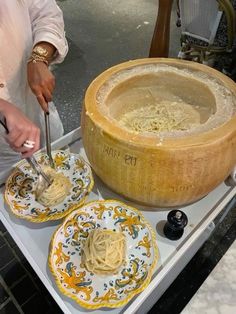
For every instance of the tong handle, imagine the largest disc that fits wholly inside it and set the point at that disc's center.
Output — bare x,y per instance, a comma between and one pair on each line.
4,124
48,139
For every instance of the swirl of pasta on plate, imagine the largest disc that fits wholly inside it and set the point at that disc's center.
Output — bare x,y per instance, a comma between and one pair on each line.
56,192
104,251
29,197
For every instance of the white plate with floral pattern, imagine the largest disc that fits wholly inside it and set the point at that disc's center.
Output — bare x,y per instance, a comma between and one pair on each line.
20,186
90,290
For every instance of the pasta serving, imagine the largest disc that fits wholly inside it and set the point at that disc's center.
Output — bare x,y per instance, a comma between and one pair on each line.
162,116
57,191
104,251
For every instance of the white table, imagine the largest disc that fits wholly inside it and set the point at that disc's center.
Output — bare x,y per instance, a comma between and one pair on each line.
33,239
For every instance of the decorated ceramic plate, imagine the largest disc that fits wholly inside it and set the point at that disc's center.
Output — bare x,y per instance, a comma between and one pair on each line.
92,290
20,187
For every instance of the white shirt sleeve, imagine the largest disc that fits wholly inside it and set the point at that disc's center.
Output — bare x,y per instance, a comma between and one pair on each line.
48,25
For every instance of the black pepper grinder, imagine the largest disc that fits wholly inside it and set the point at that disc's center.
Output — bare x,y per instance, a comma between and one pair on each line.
174,227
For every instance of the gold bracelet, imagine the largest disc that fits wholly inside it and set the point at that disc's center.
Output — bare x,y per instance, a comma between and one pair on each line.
36,58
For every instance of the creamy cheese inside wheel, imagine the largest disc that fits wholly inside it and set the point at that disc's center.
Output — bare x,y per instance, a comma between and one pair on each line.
133,96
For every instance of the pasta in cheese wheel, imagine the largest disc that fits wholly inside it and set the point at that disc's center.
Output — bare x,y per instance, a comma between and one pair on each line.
163,116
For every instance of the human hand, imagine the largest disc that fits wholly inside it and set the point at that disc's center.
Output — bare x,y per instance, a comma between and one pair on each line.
20,129
42,82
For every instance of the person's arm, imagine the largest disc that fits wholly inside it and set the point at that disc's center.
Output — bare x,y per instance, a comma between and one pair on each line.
48,26
49,38
20,128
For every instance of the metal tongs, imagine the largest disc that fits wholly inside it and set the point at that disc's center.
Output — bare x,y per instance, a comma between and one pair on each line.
48,139
38,169
34,164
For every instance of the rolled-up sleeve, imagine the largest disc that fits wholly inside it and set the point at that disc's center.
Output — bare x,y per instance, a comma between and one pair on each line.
48,25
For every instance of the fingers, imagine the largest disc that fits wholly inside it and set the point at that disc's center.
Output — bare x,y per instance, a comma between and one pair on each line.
12,136
21,149
29,153
47,95
51,85
43,103
36,147
26,151
25,136
19,142
27,141
36,139
20,130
